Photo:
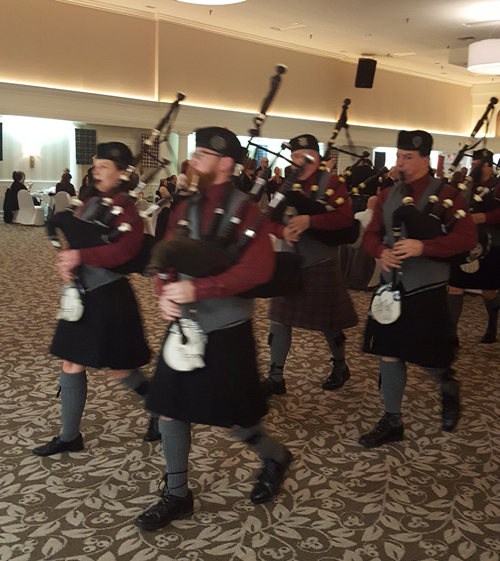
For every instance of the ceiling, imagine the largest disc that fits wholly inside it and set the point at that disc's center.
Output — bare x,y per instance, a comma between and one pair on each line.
421,37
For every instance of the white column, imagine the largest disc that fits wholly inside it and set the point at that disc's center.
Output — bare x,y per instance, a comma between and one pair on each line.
182,153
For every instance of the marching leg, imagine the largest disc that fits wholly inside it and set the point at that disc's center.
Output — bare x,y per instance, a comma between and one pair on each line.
139,383
73,398
340,372
450,395
492,304
455,305
176,499
280,340
390,428
276,457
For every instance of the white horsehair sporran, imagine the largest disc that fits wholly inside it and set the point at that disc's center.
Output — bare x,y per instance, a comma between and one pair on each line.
71,308
386,305
184,347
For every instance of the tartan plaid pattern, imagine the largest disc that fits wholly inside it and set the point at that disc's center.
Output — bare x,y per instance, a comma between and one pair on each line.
335,162
148,160
323,305
85,140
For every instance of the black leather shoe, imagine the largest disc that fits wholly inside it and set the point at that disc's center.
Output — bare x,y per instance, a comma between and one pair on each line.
339,376
57,445
272,387
270,479
489,337
385,431
450,394
152,434
168,508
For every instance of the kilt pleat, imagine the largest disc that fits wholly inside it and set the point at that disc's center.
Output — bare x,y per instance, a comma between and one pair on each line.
421,335
486,278
322,305
108,335
224,393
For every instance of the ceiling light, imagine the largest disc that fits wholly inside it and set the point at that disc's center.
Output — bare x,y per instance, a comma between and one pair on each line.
211,2
484,57
488,23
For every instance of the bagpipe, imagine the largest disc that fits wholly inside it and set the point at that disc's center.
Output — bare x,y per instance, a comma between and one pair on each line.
218,250
410,222
361,192
429,223
312,204
100,227
486,197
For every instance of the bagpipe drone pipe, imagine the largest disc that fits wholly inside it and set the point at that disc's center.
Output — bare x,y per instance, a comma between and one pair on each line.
312,205
102,227
218,250
429,224
425,225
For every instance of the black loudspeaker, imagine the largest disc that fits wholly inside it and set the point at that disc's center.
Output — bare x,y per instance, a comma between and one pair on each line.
1,143
379,162
365,73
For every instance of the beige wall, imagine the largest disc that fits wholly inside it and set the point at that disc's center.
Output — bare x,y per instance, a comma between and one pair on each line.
60,45
221,71
67,46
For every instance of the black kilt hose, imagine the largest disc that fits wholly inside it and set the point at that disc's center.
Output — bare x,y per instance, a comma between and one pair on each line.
322,305
421,335
486,278
224,393
108,335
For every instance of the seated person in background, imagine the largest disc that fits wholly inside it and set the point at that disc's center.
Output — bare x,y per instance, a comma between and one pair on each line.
391,179
65,184
361,271
172,184
274,183
162,190
366,215
87,189
10,204
245,183
264,164
163,195
182,180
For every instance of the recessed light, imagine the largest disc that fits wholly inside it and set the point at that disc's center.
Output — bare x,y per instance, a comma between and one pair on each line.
290,27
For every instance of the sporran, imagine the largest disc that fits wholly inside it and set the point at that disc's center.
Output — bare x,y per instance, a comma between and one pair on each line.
71,308
386,305
184,347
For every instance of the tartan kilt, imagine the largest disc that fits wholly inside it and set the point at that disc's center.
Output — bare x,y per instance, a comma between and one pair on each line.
421,335
486,278
108,335
224,393
322,305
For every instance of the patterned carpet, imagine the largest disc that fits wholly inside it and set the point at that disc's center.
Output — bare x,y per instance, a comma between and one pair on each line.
433,496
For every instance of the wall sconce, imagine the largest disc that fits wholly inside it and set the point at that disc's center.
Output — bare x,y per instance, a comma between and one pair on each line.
32,162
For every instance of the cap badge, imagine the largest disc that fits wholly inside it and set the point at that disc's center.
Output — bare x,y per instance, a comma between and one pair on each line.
218,143
303,141
417,141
